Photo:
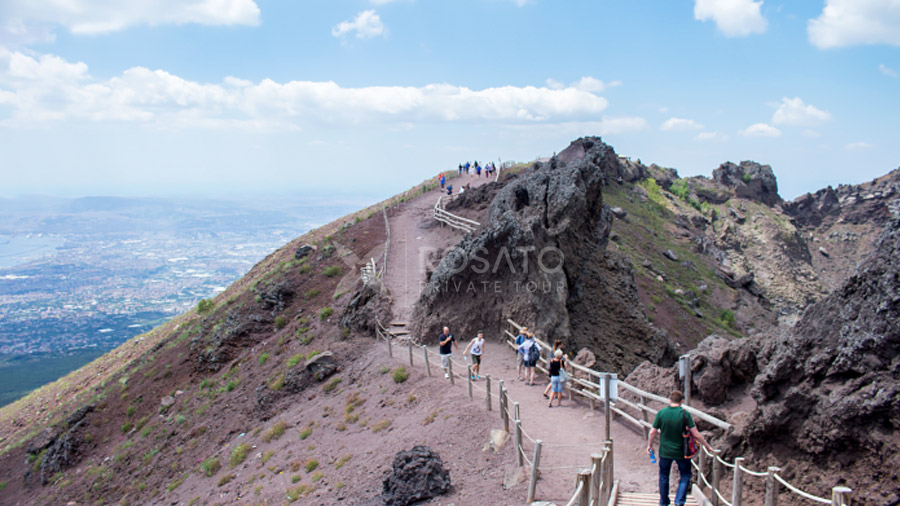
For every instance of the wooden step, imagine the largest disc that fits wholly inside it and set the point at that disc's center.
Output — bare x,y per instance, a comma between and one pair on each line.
400,332
635,499
398,324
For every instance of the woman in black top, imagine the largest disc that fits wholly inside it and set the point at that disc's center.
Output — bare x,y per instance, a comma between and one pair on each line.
556,365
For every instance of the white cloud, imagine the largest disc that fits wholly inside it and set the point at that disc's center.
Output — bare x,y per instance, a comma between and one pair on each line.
711,136
366,24
809,133
553,84
587,83
854,22
859,146
680,125
383,2
760,130
793,112
29,20
48,88
884,69
734,18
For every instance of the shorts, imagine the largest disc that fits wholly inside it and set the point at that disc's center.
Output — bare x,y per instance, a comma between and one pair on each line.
531,363
520,359
476,359
555,384
445,361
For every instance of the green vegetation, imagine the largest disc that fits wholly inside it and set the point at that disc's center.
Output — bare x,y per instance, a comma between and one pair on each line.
293,361
297,477
226,479
311,465
726,318
384,369
331,385
126,427
297,492
680,189
205,306
177,483
280,322
275,431
310,355
277,382
380,426
333,271
311,293
343,460
325,313
746,178
305,268
266,456
238,454
400,374
305,433
130,411
317,476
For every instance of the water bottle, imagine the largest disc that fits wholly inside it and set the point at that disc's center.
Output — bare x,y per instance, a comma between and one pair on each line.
652,457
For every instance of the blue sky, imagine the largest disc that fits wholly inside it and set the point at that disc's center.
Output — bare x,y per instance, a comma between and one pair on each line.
371,96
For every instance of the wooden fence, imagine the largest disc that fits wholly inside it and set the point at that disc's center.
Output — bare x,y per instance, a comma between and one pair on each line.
457,222
369,272
598,386
595,483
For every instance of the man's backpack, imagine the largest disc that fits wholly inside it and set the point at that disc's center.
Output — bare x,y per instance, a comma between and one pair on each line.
534,353
690,443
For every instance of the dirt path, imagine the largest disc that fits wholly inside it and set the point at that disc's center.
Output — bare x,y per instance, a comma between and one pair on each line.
569,433
414,235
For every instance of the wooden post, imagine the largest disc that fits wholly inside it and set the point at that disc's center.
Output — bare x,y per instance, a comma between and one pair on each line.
427,365
840,496
504,414
410,353
584,480
646,417
469,380
701,468
516,411
596,477
604,475
390,350
772,486
532,484
684,362
610,467
606,396
450,368
520,458
717,477
737,487
487,388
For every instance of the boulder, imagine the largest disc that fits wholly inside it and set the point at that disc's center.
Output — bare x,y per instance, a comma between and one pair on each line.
750,180
277,297
43,440
303,251
368,305
167,401
671,255
618,212
416,475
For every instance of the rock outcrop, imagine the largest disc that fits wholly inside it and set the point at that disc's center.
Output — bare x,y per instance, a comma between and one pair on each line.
540,258
750,180
416,475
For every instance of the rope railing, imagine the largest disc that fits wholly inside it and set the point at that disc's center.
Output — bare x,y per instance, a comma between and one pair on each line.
799,492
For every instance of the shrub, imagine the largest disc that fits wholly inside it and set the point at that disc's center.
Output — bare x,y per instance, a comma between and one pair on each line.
380,426
299,491
180,419
126,427
268,455
277,383
317,476
331,385
333,271
727,318
305,433
280,322
311,293
400,374
311,465
295,359
746,178
305,268
226,479
275,431
680,189
238,454
343,460
205,305
130,411
325,313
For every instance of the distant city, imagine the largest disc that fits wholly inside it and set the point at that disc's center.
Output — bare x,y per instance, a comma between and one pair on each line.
80,276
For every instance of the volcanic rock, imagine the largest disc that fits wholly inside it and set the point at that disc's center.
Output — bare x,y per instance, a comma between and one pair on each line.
750,180
416,475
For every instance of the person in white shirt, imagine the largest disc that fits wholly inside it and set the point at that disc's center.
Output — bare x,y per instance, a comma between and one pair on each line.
476,346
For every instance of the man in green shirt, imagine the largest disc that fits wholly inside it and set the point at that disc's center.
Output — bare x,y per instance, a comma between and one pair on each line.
670,422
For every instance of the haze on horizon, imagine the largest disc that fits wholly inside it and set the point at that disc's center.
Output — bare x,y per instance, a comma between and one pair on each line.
368,97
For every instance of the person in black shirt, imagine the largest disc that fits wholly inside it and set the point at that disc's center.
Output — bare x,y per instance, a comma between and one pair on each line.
555,366
447,342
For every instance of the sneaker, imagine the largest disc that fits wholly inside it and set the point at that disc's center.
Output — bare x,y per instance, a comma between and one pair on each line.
478,376
474,377
446,376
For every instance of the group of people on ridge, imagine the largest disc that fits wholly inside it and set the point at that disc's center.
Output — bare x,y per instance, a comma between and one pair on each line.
476,169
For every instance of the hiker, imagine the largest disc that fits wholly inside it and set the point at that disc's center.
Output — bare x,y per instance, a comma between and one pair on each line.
671,422
449,189
556,367
460,170
478,170
476,346
563,375
443,180
520,355
447,343
532,353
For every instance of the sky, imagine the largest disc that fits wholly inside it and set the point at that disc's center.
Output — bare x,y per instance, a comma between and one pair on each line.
369,97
